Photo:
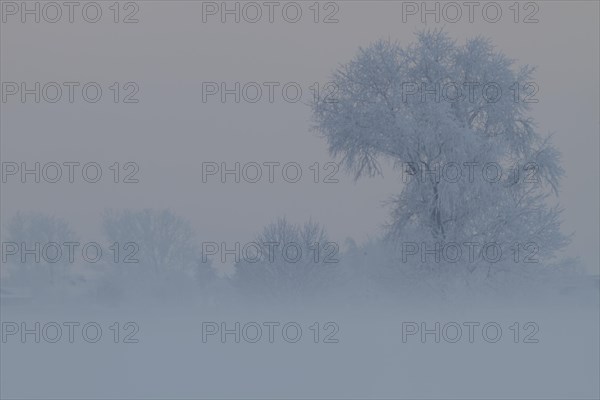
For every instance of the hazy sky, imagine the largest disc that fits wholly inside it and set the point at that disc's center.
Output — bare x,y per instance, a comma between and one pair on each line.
170,132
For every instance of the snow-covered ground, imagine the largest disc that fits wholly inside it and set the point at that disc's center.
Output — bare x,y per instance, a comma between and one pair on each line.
180,352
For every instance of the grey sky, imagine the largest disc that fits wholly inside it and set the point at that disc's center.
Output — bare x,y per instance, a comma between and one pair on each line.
170,132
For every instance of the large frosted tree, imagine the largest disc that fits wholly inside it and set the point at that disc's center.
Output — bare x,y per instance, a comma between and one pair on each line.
453,118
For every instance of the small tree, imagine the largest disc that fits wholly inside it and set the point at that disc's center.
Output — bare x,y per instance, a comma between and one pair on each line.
161,240
161,251
29,231
436,104
292,262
